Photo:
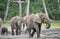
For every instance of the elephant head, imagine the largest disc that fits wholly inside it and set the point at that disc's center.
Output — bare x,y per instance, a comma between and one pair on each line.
45,19
37,19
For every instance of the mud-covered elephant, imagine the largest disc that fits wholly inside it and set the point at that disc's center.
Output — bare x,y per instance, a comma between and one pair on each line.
0,22
16,24
34,23
45,19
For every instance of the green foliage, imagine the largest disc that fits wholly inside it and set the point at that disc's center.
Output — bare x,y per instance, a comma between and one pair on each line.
2,8
53,9
2,4
36,6
13,10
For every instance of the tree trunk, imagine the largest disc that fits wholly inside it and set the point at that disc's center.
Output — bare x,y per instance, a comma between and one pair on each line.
20,8
27,8
7,8
45,9
58,4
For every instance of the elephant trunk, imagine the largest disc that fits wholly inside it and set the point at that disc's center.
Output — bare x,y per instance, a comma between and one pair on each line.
48,25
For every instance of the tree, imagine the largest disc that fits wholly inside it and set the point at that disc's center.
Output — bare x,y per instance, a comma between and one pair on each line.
2,8
7,8
58,5
45,9
27,11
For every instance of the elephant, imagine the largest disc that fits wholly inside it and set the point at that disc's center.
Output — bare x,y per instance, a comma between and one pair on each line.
45,19
0,22
34,23
16,24
4,30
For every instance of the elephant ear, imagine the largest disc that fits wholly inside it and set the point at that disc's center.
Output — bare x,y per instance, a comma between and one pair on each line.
37,19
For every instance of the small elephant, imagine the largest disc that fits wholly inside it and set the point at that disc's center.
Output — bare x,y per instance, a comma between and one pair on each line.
34,23
4,30
16,24
0,22
45,19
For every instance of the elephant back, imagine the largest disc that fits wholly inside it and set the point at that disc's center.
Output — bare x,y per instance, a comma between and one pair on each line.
30,18
14,20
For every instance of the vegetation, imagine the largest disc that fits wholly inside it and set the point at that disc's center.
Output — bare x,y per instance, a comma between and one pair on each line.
36,6
53,24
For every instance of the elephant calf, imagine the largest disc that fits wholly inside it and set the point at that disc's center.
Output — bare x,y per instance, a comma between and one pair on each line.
16,24
4,30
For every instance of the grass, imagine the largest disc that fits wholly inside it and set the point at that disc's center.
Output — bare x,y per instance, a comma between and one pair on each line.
53,24
6,24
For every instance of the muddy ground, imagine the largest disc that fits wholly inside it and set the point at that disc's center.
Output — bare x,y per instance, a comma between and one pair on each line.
52,33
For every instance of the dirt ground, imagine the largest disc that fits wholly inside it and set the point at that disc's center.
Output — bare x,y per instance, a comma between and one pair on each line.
52,33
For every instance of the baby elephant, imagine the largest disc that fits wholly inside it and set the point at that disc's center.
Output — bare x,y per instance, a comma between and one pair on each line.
4,30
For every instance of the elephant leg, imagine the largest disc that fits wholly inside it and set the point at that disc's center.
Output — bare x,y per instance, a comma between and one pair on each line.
23,25
19,31
2,32
39,25
6,32
38,35
12,32
29,31
36,27
33,32
26,30
37,31
16,31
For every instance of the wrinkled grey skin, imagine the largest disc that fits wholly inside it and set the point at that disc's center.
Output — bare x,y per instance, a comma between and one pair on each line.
34,23
45,19
16,24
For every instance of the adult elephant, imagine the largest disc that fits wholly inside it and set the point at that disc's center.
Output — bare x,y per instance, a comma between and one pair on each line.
34,23
43,18
16,24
